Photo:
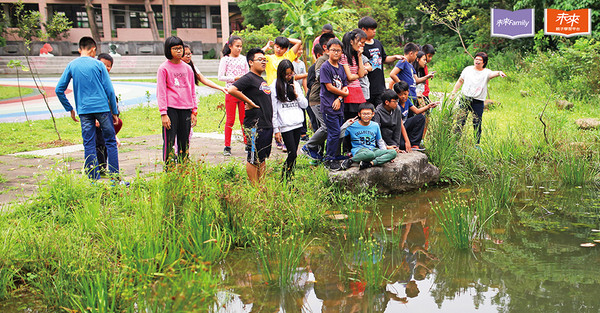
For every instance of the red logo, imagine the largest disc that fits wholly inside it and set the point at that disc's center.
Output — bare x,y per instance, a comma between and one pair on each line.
567,23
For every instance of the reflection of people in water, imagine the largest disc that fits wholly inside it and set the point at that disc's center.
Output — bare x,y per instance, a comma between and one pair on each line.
414,243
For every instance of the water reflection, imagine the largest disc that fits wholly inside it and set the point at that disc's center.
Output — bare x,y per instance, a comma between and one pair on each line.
529,262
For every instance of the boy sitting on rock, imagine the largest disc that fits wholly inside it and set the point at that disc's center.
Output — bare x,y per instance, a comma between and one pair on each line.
368,147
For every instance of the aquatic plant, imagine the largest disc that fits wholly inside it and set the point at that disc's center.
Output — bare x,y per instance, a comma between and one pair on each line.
464,220
443,148
576,170
280,255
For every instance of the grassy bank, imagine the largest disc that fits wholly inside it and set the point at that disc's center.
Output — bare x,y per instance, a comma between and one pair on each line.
81,245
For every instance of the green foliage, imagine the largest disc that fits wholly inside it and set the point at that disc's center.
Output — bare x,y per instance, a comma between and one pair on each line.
58,26
256,38
303,19
28,23
257,17
577,170
389,29
573,71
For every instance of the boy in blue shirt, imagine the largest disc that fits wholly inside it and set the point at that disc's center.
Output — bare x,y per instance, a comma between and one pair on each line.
368,147
94,100
404,71
333,91
414,125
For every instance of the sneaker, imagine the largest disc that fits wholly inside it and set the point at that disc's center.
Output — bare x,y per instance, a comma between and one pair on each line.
304,137
346,164
332,165
418,148
279,145
115,183
311,153
341,157
227,151
284,148
364,165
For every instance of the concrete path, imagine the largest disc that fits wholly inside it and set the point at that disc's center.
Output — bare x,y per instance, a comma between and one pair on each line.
130,93
23,172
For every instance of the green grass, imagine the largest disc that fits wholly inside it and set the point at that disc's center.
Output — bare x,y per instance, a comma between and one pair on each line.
7,92
81,245
138,121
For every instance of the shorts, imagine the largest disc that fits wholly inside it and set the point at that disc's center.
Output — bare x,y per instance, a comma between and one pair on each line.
258,144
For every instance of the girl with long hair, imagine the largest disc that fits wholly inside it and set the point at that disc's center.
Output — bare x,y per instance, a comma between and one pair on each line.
288,101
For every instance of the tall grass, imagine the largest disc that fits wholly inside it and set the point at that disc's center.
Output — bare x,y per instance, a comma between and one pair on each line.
577,170
93,247
465,220
443,144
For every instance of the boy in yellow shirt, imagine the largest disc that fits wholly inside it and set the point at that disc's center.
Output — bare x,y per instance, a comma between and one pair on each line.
282,50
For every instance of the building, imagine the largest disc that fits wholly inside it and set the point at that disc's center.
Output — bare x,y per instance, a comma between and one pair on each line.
206,21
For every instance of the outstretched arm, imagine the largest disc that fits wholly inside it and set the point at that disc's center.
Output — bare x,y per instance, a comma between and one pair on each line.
210,83
495,74
457,86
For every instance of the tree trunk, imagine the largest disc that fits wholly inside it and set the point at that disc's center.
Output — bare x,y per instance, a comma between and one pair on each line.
89,8
151,20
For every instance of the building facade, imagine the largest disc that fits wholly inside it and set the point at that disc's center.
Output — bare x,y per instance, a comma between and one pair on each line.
208,21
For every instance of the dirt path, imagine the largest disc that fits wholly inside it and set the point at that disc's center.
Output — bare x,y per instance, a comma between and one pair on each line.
21,174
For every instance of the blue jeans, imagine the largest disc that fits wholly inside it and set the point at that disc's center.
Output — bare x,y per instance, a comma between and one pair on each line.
333,122
88,133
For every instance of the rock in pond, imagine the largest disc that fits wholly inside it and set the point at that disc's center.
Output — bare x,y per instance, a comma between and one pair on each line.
409,171
588,123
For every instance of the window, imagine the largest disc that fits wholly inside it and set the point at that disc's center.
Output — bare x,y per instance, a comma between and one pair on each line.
76,14
134,16
188,16
10,7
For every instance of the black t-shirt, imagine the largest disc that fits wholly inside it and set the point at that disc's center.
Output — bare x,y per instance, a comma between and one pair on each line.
376,55
256,89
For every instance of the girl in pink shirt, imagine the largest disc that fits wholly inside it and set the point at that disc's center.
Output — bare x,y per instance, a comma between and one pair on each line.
232,67
176,96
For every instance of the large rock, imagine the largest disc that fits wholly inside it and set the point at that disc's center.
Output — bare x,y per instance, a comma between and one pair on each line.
588,123
564,105
409,171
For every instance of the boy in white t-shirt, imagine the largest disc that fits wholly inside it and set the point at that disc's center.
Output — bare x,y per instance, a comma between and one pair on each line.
474,80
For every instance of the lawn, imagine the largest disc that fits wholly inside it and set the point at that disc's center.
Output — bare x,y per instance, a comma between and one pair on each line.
7,92
138,121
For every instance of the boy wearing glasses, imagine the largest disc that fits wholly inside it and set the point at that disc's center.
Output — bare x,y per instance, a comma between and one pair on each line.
333,91
258,119
368,147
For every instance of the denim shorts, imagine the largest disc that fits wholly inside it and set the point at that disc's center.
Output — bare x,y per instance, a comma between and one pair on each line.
258,144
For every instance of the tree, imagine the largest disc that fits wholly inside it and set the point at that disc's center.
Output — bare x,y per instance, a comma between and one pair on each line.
28,27
389,28
151,20
258,18
449,17
303,18
58,26
89,8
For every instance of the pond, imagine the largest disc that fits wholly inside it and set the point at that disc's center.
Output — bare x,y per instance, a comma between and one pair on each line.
530,260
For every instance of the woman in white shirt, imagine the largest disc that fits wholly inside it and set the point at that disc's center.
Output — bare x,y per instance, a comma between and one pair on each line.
288,101
474,80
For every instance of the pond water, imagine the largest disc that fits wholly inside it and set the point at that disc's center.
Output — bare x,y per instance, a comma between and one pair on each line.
529,261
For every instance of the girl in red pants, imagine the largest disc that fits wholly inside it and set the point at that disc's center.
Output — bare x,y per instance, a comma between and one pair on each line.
232,67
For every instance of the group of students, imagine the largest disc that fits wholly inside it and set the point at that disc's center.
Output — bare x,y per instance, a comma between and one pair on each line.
343,92
345,83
